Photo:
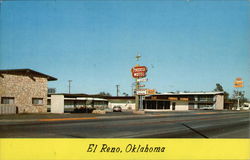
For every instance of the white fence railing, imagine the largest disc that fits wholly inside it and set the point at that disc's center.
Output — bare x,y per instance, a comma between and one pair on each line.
6,109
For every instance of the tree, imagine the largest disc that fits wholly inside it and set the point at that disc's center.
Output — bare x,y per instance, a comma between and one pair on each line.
125,94
218,88
226,95
239,94
158,92
104,94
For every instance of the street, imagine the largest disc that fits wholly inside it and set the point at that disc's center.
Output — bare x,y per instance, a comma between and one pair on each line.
192,124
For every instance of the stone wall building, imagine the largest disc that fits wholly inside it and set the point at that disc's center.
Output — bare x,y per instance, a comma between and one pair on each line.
25,89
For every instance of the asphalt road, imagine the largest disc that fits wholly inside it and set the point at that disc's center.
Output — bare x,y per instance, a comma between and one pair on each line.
122,125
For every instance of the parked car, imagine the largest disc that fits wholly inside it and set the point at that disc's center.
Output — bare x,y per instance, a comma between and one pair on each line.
83,110
117,109
245,106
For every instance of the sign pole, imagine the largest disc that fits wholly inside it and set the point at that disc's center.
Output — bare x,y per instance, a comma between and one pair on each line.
137,87
238,83
136,96
138,72
141,103
238,104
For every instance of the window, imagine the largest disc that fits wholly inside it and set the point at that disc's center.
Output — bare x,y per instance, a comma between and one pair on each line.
100,103
163,105
7,100
150,105
37,101
206,98
205,106
190,106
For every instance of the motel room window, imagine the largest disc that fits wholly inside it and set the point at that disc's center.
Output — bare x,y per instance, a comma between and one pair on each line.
100,103
206,98
7,100
37,101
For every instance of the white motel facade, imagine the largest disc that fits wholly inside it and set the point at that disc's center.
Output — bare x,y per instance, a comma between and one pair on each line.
158,102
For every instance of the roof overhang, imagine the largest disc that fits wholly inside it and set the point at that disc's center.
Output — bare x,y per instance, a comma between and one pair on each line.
25,71
189,93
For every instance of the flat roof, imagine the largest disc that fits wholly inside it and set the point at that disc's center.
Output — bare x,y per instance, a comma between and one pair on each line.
26,70
72,95
75,95
119,97
191,93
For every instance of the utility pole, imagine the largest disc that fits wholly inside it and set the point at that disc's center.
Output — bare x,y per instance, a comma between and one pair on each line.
117,90
69,85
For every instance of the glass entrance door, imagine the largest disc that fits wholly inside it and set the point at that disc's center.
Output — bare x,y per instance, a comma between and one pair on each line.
173,106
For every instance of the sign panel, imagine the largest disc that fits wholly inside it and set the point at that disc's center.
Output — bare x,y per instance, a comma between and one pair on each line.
238,83
184,99
139,71
142,85
238,86
238,79
173,98
139,74
151,91
142,80
141,91
153,97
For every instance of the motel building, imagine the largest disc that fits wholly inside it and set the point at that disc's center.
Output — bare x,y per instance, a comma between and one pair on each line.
64,102
23,91
184,101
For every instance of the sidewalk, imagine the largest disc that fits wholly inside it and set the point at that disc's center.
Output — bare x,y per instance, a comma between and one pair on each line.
36,116
28,116
48,117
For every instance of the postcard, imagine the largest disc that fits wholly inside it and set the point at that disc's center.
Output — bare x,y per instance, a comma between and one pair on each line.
124,79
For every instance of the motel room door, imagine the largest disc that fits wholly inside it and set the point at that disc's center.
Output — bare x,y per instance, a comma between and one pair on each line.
173,105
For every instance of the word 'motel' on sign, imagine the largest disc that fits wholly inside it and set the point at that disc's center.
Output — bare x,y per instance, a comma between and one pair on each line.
139,71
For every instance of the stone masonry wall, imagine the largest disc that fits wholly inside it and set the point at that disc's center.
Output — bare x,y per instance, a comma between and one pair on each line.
23,88
219,104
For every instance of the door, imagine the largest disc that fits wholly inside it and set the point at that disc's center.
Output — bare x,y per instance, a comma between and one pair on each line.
173,106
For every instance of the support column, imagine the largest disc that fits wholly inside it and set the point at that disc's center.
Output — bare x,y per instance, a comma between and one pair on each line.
57,103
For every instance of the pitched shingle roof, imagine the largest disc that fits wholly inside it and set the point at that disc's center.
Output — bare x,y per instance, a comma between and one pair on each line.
11,71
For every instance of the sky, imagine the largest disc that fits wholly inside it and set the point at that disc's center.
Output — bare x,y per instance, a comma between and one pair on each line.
186,45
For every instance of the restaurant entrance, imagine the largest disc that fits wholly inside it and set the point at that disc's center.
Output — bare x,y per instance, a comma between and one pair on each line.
158,105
